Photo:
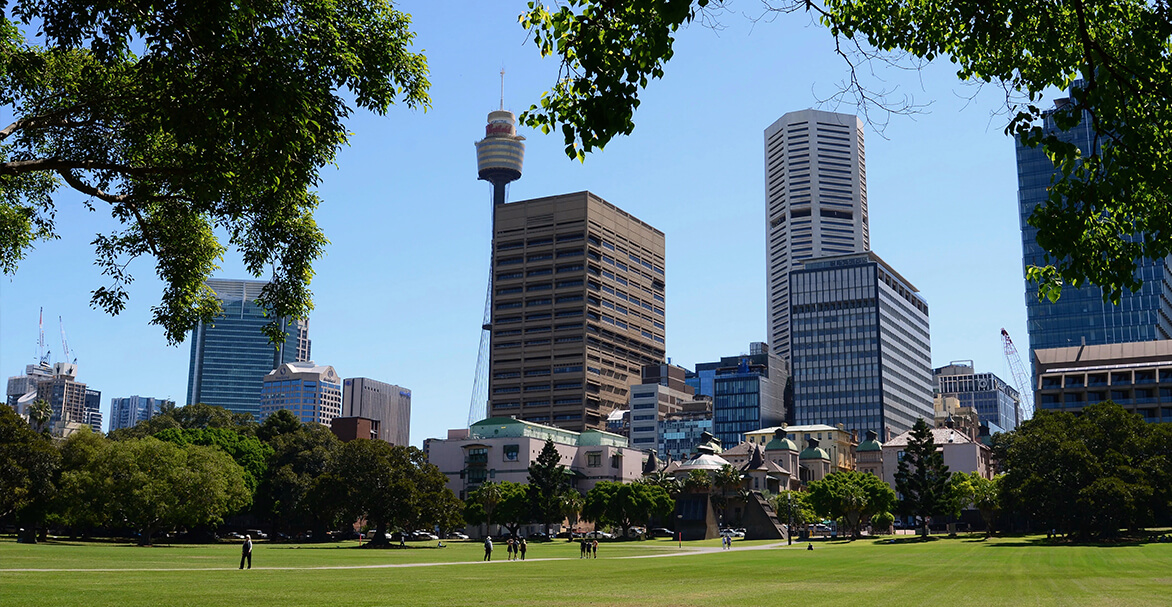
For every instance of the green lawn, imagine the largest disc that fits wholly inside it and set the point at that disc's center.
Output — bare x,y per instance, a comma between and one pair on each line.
861,574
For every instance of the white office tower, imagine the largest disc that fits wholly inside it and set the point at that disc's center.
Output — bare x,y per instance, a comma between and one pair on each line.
816,201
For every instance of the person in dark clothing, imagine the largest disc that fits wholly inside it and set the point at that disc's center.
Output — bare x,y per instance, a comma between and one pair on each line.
246,552
584,549
594,546
524,545
811,546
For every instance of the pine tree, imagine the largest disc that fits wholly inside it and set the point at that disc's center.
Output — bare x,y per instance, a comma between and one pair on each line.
922,477
548,480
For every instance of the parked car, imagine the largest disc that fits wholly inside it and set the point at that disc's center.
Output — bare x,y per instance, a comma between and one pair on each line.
234,535
257,534
599,535
738,533
661,532
423,536
456,535
636,532
538,537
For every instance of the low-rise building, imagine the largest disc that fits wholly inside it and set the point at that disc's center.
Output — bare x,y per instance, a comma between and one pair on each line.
502,448
961,453
1136,376
837,441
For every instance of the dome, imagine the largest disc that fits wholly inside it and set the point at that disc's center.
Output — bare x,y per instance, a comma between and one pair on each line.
871,444
814,453
781,444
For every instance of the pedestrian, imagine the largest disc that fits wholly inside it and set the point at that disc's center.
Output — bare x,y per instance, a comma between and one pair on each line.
811,546
246,552
595,547
488,547
583,548
509,548
524,546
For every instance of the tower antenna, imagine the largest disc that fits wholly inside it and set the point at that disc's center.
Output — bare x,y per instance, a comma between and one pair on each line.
502,88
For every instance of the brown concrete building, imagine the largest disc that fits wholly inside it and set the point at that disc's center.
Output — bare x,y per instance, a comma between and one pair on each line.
1136,375
353,428
577,309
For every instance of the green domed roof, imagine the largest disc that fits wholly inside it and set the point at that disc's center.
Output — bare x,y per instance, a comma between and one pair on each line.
868,445
783,444
814,453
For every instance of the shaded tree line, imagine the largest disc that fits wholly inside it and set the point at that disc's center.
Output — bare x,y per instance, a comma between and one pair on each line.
193,467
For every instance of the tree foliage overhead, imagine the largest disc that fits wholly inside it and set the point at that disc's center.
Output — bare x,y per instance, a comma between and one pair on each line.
1090,475
185,119
1110,204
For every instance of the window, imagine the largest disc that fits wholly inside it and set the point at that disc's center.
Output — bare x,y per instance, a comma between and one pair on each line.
616,460
511,452
594,459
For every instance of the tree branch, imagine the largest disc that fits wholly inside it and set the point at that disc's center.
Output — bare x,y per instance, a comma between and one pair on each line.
18,167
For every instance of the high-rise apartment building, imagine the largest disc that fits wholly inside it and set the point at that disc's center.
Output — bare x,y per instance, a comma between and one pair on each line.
577,309
389,404
1080,316
128,411
22,389
861,349
230,357
996,402
815,201
310,391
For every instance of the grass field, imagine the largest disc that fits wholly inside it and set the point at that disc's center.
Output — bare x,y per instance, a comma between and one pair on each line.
963,571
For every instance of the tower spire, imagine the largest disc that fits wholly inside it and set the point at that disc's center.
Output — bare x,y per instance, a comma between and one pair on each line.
502,88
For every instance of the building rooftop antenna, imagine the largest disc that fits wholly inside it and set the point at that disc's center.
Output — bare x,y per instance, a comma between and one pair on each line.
502,88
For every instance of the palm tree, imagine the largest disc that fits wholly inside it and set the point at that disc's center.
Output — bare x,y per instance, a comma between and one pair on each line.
666,480
572,503
39,413
488,496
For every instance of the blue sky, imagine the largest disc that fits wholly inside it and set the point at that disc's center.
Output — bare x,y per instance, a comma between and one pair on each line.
400,294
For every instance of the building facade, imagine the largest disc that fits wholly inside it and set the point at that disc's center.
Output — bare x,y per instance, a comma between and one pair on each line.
861,348
1081,316
230,357
681,432
748,392
961,454
661,392
388,404
310,391
22,389
997,403
502,448
838,442
577,309
127,412
1137,376
816,202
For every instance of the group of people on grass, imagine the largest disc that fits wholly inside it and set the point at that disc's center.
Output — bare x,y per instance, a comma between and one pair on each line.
589,548
516,548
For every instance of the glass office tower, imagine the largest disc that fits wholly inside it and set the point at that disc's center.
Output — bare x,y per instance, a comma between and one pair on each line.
860,346
1081,316
230,357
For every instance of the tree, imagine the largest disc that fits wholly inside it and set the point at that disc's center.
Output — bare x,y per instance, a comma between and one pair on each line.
286,494
150,485
548,481
515,508
188,122
572,505
392,486
697,481
28,469
959,494
481,503
666,480
282,421
793,508
921,477
193,416
986,498
247,451
1109,204
850,495
39,414
1088,475
626,504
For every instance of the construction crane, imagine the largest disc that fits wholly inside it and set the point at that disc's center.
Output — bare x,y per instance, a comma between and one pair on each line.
1021,379
42,353
65,343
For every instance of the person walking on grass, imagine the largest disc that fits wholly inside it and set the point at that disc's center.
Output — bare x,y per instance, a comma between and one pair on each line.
594,546
523,547
584,549
488,547
246,552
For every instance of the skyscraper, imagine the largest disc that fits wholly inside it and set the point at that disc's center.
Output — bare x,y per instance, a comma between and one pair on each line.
1080,316
387,403
748,392
816,202
995,401
230,357
310,391
128,411
577,309
861,348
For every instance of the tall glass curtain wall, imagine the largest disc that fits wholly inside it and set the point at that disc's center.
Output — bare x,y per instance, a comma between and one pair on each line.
835,347
1081,313
736,407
